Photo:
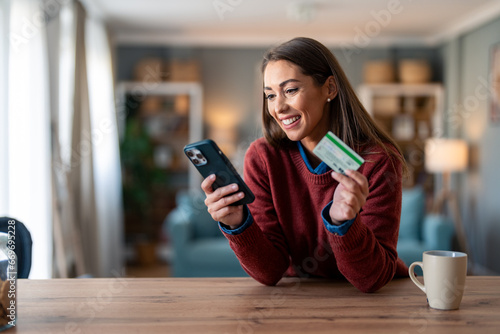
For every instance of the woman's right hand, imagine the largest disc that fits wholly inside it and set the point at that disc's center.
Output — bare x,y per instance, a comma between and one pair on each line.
218,203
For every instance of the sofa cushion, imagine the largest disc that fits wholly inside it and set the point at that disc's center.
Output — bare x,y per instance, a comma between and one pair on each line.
209,257
410,251
192,204
412,213
437,232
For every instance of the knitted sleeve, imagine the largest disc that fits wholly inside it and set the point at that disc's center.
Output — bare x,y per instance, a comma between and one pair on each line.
263,256
366,255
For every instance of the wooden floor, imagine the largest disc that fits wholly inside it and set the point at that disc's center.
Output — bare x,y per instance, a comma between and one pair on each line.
159,269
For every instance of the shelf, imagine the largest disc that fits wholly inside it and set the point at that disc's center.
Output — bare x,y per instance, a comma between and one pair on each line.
431,89
410,113
193,90
156,120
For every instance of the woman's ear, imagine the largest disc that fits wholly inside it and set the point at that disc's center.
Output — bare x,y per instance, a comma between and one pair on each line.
332,87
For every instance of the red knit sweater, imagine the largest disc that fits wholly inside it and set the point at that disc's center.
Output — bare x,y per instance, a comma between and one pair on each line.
288,236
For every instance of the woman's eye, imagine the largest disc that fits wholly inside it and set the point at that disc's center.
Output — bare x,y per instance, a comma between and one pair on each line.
291,91
270,97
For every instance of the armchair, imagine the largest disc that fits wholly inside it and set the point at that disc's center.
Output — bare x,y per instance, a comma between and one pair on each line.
418,231
199,247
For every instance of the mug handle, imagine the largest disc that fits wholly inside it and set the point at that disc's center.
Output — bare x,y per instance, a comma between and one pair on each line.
414,277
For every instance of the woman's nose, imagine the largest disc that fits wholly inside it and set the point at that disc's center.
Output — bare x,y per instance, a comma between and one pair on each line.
280,104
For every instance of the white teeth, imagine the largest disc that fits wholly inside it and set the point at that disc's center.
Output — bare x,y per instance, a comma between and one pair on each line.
289,121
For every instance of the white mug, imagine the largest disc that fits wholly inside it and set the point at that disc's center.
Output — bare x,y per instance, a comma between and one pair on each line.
444,278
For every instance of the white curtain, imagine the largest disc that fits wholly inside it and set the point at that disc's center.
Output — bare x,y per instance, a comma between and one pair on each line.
69,259
27,169
79,100
88,137
105,149
4,43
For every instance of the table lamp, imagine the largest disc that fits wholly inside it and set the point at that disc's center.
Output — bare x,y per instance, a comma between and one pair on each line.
443,155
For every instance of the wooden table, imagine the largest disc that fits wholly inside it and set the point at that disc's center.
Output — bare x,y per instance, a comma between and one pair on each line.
241,305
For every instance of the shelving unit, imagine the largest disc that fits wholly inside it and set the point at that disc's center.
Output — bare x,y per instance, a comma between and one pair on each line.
194,115
411,113
156,120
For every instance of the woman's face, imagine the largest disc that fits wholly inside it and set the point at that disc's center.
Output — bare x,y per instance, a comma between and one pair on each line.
296,102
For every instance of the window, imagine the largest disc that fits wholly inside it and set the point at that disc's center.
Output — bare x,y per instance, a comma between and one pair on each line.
67,40
25,174
4,22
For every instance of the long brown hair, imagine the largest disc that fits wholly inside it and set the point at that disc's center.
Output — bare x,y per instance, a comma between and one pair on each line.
348,119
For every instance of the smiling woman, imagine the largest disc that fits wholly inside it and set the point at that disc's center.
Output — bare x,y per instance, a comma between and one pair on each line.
307,220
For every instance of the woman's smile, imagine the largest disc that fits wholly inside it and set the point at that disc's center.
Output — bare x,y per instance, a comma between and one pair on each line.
290,122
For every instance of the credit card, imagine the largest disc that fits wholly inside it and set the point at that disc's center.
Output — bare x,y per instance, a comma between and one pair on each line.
336,154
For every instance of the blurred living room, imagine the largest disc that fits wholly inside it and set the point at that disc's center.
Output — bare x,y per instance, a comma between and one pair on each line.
99,97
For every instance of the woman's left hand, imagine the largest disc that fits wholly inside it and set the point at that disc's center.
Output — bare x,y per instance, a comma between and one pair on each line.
349,197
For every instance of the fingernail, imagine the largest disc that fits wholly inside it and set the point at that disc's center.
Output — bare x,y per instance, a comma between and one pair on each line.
234,187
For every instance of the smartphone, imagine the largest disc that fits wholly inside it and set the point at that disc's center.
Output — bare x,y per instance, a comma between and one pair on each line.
208,159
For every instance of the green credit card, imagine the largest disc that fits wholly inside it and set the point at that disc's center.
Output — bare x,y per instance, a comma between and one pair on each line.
336,154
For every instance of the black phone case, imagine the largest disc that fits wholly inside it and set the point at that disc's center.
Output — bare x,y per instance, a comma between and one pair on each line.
217,163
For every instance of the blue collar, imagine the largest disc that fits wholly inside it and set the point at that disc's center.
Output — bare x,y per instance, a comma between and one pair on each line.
320,169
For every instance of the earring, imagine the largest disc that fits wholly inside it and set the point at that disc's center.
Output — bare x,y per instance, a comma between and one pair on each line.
328,100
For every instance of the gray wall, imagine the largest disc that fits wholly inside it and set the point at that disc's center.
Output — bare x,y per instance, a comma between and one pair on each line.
231,77
467,74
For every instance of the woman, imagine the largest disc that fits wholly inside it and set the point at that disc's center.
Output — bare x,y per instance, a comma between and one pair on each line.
307,220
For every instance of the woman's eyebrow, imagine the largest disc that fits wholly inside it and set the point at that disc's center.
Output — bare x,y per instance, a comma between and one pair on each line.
283,83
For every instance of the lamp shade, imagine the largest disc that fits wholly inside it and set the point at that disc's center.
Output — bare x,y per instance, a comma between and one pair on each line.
445,155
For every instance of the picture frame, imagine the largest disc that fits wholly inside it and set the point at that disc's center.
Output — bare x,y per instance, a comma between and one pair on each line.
495,84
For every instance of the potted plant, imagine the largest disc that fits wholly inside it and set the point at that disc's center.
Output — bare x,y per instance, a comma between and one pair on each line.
140,178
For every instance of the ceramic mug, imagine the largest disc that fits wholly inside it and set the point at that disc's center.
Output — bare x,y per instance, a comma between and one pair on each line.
444,278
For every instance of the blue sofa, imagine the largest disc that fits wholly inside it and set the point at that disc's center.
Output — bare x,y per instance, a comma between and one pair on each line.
419,231
200,249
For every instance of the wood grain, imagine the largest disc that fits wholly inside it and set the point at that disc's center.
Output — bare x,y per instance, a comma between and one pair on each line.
241,305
